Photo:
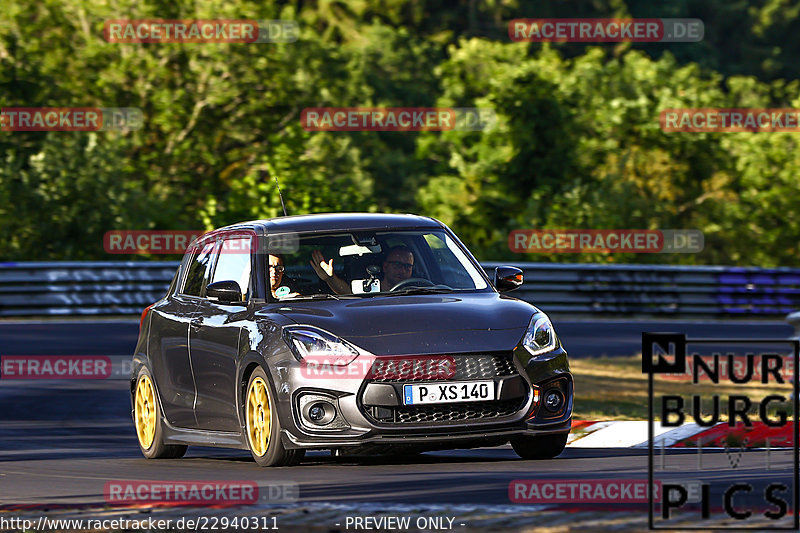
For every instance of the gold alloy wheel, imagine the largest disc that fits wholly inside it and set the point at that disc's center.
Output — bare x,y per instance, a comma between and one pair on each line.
145,412
259,417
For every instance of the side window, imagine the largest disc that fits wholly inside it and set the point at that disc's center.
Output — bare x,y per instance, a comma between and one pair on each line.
234,263
199,270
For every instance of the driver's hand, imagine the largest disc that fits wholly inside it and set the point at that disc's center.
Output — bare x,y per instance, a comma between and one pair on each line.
324,269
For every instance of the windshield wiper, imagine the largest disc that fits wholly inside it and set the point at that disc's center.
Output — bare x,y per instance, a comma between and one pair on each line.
422,290
318,296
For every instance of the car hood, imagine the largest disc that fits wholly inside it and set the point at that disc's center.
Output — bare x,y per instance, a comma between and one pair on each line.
419,324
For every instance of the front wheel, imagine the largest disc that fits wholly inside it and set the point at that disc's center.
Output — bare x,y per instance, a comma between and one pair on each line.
262,425
147,417
541,446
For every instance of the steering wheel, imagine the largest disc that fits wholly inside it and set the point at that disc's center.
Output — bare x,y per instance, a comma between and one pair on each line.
422,282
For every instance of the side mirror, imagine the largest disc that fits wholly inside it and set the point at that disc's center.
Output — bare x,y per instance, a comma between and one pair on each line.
507,278
225,292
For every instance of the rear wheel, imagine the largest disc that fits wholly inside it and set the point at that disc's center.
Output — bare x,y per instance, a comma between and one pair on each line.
262,425
541,446
147,418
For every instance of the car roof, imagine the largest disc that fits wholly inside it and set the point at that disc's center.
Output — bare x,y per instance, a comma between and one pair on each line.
335,222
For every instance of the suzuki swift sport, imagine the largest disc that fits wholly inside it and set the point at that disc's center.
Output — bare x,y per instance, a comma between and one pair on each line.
355,333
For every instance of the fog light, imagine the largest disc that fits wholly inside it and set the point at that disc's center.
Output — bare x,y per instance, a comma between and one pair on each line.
316,413
553,400
319,413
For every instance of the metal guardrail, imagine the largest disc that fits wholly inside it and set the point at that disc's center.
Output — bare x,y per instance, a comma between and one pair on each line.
82,288
661,290
125,288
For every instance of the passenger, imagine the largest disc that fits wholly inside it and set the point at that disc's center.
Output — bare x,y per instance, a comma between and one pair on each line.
397,266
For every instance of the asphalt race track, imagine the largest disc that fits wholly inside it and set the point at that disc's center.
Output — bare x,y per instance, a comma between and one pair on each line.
61,442
49,466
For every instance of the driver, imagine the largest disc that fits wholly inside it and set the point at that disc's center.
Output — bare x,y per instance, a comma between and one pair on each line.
276,270
397,266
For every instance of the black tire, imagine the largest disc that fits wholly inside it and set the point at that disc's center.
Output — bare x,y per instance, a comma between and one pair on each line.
540,447
150,410
275,454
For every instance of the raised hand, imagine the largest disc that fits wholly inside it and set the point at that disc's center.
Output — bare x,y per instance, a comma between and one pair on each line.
324,269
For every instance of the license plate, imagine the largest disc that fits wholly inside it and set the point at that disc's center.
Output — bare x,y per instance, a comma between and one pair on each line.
423,393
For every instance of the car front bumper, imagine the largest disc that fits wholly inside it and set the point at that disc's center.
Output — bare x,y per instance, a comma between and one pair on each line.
354,427
431,437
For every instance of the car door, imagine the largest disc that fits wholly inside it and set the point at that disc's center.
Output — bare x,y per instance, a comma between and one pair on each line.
214,339
169,339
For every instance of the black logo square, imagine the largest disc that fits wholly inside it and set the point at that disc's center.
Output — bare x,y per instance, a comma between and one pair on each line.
661,345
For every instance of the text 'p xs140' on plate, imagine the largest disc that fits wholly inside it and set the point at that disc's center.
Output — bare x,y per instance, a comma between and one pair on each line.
448,392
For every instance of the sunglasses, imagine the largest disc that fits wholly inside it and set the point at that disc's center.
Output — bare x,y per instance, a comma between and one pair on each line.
277,268
398,264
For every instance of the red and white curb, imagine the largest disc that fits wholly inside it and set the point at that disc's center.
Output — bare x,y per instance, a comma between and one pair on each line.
633,434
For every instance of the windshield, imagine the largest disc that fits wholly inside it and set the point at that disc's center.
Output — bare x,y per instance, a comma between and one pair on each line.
365,264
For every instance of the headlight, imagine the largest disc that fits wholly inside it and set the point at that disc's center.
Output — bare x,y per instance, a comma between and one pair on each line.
541,336
309,343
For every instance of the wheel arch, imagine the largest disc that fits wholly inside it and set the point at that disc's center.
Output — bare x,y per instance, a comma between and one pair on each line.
139,360
250,361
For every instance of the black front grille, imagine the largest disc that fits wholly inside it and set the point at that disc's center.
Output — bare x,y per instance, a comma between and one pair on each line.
468,366
421,414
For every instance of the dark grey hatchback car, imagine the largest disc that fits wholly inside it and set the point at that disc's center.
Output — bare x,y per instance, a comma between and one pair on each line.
363,333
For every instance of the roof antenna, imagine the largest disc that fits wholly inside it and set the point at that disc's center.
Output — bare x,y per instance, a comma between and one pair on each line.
278,185
281,196
264,173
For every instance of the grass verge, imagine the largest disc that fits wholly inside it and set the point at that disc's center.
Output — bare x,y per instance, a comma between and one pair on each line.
614,388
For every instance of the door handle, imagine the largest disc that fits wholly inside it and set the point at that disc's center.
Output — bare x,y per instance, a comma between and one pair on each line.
194,324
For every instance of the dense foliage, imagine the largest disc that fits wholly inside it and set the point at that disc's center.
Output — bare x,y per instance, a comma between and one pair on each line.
577,144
